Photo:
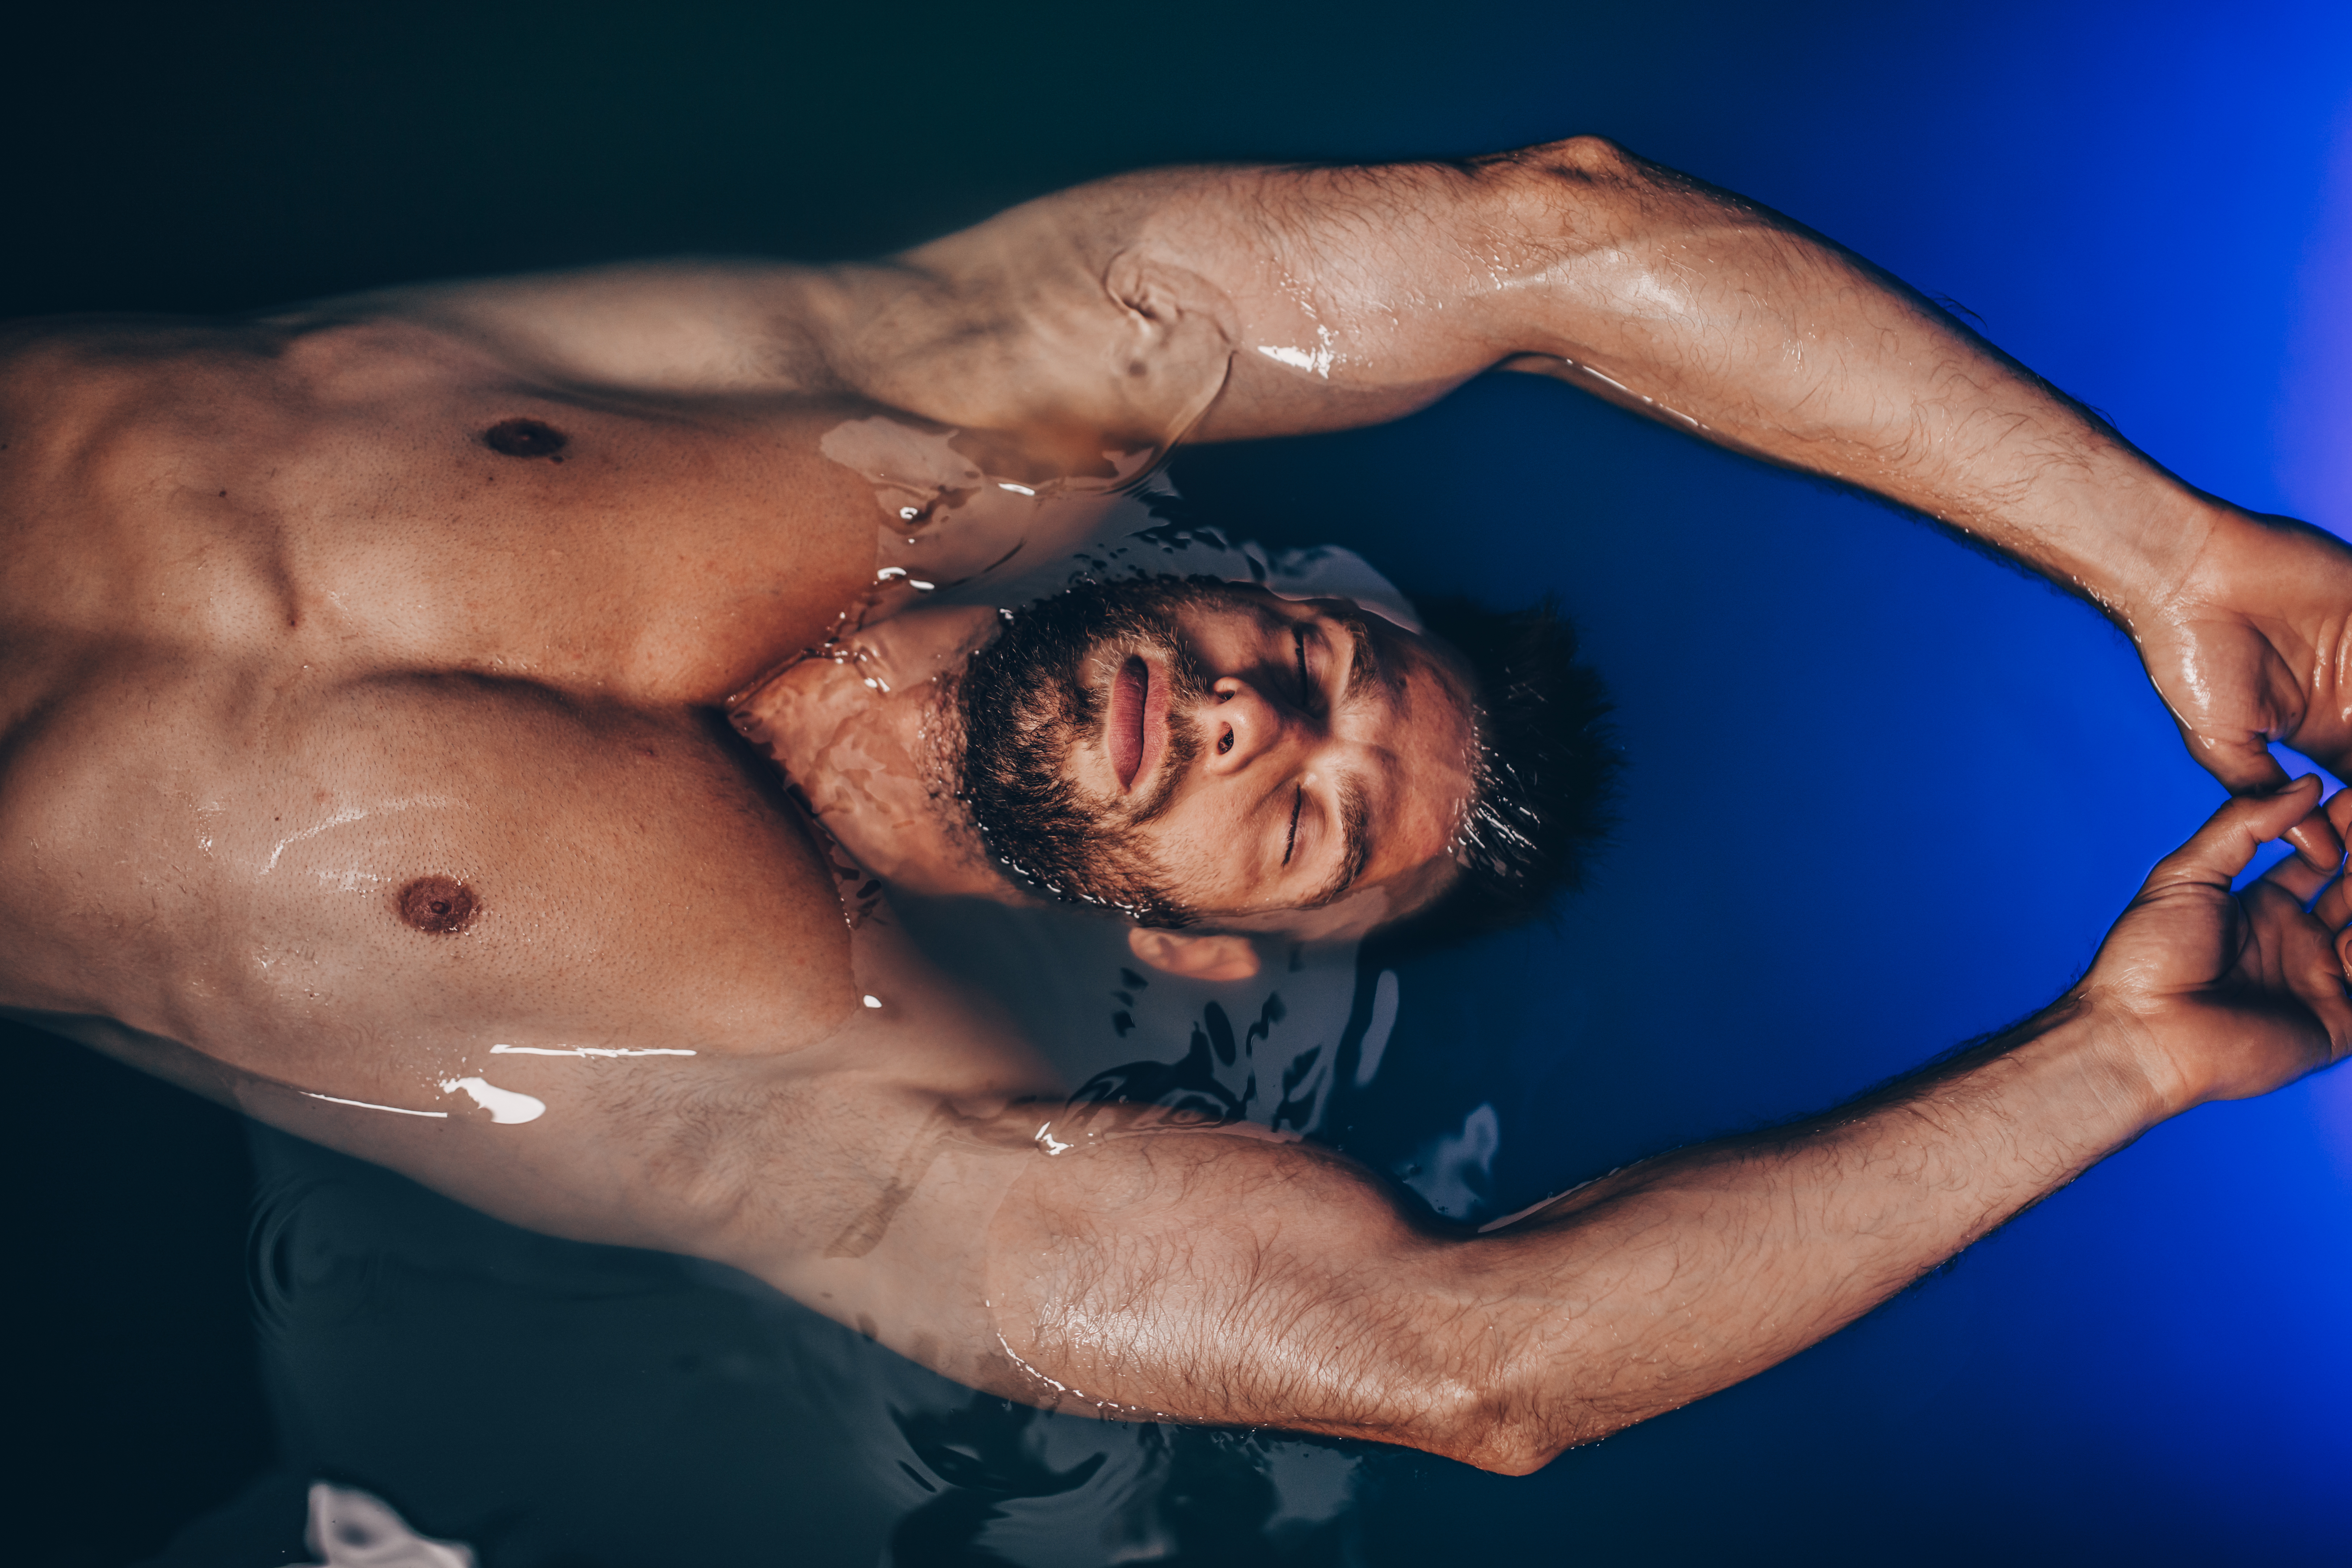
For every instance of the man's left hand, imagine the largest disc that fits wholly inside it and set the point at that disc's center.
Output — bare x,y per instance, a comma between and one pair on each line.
2253,645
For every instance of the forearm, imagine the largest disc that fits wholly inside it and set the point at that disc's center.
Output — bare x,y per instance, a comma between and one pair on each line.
1723,318
1679,1277
1297,1298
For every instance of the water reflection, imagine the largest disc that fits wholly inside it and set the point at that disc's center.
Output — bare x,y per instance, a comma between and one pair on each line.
549,1402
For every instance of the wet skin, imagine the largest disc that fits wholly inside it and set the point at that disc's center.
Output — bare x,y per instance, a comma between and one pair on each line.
360,735
295,639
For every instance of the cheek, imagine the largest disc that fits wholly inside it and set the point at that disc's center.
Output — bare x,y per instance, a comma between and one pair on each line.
1186,857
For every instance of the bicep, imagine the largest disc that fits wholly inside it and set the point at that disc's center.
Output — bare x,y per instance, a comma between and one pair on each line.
1210,303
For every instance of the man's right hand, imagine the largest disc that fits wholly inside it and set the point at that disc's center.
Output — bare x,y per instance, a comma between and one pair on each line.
2221,995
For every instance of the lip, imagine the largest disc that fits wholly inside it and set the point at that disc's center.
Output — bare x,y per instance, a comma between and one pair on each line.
1138,721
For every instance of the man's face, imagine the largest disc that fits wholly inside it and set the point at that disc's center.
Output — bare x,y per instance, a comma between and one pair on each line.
1211,751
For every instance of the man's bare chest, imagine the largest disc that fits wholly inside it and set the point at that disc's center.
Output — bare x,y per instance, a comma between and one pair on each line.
655,558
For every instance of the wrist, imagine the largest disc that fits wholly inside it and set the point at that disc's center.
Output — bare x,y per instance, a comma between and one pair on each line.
2122,1056
2179,543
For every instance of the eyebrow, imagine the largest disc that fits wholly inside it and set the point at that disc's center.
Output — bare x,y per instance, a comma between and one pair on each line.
1364,661
1355,829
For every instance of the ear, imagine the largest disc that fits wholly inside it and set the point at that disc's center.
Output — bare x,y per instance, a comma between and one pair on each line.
1194,957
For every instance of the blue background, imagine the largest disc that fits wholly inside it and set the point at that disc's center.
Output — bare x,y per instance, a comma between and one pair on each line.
1884,795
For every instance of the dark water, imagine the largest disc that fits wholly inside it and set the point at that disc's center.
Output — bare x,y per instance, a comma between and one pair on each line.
1884,794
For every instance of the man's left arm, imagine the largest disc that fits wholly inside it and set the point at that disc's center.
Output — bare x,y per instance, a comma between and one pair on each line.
1220,303
1321,298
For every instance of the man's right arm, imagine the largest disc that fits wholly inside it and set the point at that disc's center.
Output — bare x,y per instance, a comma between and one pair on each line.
1106,1258
1218,1275
1264,1285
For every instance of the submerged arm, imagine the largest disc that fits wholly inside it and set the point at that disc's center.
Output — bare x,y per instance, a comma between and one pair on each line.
1249,1284
1105,1258
1228,1279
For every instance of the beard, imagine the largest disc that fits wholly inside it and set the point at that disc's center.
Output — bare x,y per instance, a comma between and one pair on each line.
1026,705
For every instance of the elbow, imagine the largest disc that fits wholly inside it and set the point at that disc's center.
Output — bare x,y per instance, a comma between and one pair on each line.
1509,1452
1584,163
1515,1417
1492,1426
1581,194
1502,1443
1519,1445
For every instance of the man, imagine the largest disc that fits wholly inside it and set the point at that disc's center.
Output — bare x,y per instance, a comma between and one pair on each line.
362,770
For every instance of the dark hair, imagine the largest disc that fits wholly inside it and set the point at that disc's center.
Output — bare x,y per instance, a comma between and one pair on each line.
1547,769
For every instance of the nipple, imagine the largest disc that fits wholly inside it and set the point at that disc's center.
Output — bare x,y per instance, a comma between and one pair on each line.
526,439
439,906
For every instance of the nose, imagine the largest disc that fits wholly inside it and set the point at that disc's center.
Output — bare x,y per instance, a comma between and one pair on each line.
1242,723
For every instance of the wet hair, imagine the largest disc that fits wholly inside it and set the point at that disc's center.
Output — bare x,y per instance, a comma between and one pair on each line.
1542,807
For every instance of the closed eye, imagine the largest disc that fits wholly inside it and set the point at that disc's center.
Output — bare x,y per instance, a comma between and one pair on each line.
1305,681
1291,842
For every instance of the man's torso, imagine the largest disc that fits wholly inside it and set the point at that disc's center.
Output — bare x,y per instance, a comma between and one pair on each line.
358,701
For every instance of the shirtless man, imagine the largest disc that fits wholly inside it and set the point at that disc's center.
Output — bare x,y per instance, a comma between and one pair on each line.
364,667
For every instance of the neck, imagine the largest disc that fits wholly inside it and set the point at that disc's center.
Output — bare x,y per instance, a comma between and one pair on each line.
866,731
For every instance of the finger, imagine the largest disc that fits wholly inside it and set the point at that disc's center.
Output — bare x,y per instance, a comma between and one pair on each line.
2304,873
2248,767
2318,847
2335,906
2320,986
2226,844
2297,877
2245,766
2318,842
